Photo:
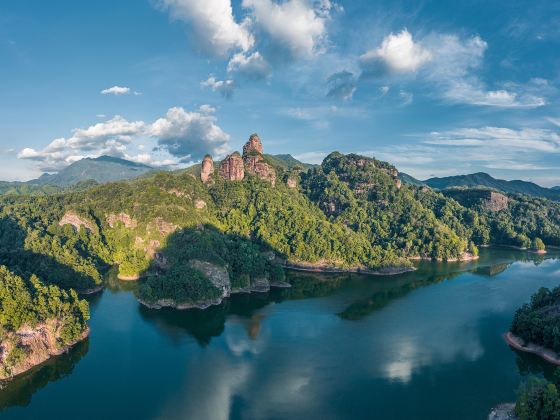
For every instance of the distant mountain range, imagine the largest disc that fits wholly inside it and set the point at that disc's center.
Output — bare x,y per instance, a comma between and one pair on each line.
108,169
481,179
101,169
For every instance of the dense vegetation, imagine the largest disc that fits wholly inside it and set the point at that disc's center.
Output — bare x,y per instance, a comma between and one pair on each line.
538,322
538,399
28,303
349,212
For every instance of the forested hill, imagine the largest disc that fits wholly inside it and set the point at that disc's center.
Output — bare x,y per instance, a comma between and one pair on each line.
101,169
78,176
481,179
193,238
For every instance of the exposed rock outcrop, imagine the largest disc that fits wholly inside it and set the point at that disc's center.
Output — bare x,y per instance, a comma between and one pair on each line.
254,145
254,161
231,168
217,275
199,204
207,169
126,220
71,218
496,201
40,343
254,165
291,182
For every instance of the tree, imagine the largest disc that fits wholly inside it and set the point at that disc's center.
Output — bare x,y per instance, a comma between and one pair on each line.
538,244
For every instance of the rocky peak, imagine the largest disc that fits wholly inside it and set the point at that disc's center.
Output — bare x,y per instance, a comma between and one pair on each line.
207,169
254,145
232,168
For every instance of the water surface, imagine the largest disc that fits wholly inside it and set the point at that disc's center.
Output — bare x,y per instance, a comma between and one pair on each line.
424,345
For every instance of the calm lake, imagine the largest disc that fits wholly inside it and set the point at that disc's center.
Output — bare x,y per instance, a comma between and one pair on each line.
424,345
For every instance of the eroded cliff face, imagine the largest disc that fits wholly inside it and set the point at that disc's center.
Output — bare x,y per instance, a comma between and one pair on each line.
33,346
76,221
232,168
255,166
207,169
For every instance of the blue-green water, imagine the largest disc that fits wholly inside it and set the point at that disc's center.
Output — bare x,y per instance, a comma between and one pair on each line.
424,345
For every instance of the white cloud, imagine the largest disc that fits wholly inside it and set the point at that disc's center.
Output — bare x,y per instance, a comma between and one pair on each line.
384,90
116,90
406,97
396,54
182,135
497,138
213,25
299,26
206,109
189,135
109,137
555,121
224,87
449,65
252,66
453,71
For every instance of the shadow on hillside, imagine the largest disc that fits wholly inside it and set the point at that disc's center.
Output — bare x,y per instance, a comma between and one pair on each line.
20,390
25,262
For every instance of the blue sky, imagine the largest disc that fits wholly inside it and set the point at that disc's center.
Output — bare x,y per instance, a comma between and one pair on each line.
437,88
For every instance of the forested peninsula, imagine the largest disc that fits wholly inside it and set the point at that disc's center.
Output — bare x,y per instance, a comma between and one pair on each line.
193,237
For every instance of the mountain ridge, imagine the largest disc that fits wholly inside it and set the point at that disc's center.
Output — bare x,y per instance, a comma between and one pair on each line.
482,179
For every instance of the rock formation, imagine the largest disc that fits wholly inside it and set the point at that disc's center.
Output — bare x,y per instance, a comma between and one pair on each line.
253,145
231,168
496,201
207,169
254,161
71,218
255,166
126,220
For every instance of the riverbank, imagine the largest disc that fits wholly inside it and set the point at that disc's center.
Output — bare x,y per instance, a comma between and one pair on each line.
388,271
518,344
170,303
91,291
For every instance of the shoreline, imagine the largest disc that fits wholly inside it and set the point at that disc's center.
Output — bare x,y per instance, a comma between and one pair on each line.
518,344
170,303
389,271
91,291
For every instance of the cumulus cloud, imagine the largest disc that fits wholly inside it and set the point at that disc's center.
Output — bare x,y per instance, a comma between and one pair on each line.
398,53
449,64
224,87
117,90
341,85
184,136
109,137
189,135
299,26
252,66
213,25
